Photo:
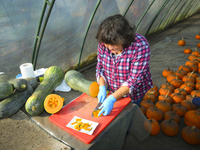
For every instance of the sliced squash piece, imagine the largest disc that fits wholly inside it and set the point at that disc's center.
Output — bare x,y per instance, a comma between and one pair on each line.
53,103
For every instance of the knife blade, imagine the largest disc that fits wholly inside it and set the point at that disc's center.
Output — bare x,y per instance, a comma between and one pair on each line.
96,108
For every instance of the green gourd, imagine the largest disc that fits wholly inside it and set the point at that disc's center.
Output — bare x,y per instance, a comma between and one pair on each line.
53,77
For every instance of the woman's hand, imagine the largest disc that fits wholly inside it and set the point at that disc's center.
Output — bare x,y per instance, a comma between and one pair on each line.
107,106
102,94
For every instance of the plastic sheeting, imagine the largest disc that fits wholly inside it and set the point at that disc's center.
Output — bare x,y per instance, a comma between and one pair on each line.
63,42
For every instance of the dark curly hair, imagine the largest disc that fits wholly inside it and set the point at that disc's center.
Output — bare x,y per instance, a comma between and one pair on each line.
116,30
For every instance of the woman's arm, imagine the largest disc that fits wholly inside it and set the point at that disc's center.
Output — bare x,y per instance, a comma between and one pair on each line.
123,90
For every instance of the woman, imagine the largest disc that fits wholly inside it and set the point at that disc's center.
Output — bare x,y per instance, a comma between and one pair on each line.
122,63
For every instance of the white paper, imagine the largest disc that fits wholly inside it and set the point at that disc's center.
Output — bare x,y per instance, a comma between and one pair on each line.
92,123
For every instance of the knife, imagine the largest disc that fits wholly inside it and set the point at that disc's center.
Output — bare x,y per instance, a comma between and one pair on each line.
96,108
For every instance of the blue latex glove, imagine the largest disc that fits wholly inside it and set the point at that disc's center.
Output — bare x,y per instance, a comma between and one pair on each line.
107,105
102,94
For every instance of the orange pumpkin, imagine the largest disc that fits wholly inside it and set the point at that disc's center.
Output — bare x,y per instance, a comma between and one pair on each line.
198,79
167,85
193,74
181,110
155,113
171,76
53,103
187,50
164,91
167,71
196,93
177,97
187,87
155,87
165,97
181,90
169,127
197,86
198,45
150,95
197,36
163,105
147,103
192,118
189,78
192,57
191,135
188,104
181,42
189,83
185,67
172,115
152,91
176,82
196,52
155,126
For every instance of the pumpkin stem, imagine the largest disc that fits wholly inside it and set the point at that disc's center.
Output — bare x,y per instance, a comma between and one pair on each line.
167,93
174,111
191,73
193,128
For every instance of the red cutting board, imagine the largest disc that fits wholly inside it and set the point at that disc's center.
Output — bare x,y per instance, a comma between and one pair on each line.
82,107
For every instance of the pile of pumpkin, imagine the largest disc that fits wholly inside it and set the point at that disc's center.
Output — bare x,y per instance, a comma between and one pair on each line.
165,106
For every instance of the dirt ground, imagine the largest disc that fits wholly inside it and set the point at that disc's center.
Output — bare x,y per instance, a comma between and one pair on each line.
20,133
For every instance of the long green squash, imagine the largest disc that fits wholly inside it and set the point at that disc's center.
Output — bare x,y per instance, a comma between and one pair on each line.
53,77
78,82
6,90
11,105
18,84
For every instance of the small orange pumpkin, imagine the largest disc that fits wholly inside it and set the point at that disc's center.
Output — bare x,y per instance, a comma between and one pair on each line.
177,97
155,126
181,110
163,105
181,42
196,93
172,114
167,71
187,50
164,91
155,87
165,97
185,67
53,103
176,82
197,36
191,134
147,103
150,95
187,87
167,85
155,113
171,76
198,45
169,127
192,118
196,52
188,104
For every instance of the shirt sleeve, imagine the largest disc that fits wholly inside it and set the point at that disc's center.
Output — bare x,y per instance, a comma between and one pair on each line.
196,101
99,68
139,66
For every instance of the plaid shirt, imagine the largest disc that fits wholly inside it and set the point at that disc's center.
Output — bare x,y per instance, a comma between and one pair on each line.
130,68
